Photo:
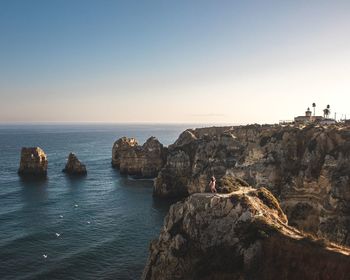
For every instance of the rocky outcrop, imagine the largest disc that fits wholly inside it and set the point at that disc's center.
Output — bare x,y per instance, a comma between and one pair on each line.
142,161
33,163
121,147
74,166
306,167
242,235
194,158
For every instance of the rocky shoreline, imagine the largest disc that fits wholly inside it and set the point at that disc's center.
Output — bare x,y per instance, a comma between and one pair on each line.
275,182
306,167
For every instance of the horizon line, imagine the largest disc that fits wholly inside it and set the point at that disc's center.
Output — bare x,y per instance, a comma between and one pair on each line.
119,123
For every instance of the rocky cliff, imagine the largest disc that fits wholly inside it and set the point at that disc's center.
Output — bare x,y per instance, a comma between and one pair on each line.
242,235
74,166
307,168
142,161
33,162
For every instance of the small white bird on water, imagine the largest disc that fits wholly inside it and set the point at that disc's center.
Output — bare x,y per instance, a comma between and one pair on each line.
61,216
88,222
45,256
58,234
76,205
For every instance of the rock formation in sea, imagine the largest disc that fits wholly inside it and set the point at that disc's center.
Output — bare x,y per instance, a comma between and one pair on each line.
306,167
143,161
33,162
74,166
241,235
120,148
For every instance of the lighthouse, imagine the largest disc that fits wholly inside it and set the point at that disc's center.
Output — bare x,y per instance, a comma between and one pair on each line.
308,113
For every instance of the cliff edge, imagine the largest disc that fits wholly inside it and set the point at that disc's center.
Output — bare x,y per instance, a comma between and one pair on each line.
306,167
241,235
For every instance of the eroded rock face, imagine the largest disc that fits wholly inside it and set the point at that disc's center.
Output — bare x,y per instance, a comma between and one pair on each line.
307,168
242,235
132,159
193,160
121,147
33,162
74,166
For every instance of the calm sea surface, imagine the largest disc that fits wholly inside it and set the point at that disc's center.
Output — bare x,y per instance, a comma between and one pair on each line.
106,236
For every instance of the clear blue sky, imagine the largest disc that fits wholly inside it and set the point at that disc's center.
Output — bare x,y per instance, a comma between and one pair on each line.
172,61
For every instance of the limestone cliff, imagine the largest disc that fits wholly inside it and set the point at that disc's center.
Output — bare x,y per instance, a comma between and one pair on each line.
74,166
307,168
121,147
143,161
33,162
242,235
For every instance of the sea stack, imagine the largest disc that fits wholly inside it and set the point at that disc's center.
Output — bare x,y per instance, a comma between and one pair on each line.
122,146
141,161
74,166
33,163
241,235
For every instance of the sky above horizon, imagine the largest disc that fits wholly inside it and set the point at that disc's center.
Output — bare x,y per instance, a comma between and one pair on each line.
172,61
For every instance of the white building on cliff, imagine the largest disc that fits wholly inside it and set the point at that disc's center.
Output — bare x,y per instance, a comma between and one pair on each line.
309,118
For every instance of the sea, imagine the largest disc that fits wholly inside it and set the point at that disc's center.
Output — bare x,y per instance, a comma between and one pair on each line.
94,227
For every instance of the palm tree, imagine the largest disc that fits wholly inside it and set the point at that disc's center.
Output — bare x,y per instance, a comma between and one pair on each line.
327,111
314,106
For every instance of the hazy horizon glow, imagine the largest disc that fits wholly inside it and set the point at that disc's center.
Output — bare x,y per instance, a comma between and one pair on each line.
172,62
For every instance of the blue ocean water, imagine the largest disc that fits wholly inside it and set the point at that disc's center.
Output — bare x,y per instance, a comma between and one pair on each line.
107,235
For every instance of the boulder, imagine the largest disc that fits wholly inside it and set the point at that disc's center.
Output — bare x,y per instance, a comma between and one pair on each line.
241,235
33,162
74,166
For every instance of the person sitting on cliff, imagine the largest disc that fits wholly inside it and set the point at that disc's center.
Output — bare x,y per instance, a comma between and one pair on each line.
212,185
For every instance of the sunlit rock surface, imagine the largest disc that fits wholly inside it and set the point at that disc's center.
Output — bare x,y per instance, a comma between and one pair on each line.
307,168
33,163
142,161
241,235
